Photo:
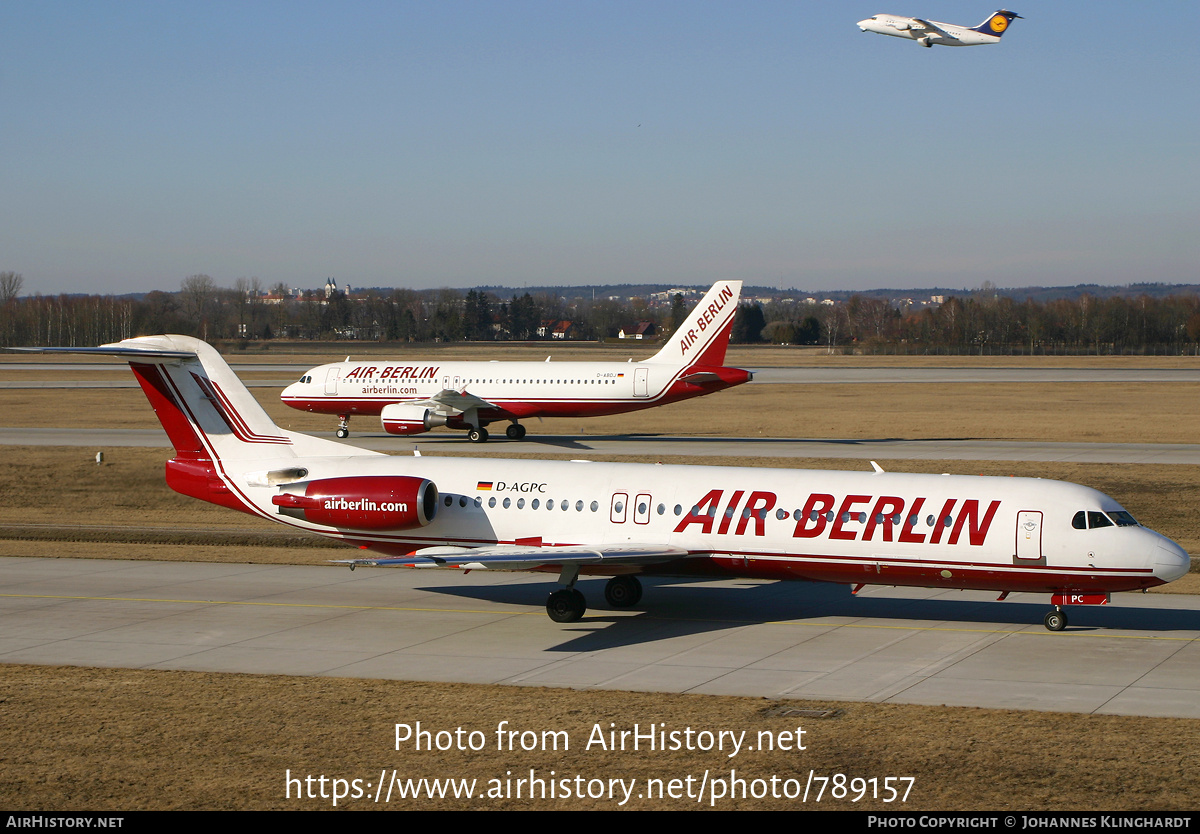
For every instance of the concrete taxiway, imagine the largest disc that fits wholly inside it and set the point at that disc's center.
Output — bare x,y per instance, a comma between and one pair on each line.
1137,656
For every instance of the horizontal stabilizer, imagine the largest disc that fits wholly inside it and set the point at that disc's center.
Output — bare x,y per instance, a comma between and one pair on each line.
701,378
127,353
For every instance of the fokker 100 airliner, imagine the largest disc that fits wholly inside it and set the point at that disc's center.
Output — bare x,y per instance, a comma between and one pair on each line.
623,519
412,397
930,32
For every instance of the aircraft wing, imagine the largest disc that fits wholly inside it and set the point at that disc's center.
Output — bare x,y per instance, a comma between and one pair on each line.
448,401
930,26
521,557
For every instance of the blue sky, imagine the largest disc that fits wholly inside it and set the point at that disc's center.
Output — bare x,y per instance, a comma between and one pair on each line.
427,144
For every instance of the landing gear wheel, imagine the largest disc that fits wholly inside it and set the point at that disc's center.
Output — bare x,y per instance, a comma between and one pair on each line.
1056,620
343,433
477,435
623,591
343,429
515,432
566,605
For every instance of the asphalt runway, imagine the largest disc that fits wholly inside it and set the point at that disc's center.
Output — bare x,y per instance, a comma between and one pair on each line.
1138,656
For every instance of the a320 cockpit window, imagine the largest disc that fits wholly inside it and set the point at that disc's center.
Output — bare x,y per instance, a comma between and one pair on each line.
1094,520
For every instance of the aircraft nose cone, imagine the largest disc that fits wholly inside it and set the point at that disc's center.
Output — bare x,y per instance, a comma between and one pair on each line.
1170,561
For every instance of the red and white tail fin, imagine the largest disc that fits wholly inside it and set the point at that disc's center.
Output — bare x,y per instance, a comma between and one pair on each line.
218,429
203,406
704,334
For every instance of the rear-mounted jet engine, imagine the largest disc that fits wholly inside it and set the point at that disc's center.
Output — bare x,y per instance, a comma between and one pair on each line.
362,503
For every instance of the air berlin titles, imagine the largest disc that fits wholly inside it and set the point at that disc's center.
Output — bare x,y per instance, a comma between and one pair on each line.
885,516
392,372
710,315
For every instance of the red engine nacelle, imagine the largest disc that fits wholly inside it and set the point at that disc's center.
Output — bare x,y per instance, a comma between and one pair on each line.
401,418
372,502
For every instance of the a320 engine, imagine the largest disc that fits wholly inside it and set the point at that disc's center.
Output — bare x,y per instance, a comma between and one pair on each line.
383,502
402,418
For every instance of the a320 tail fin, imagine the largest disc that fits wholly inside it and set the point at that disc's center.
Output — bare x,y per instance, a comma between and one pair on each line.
704,334
997,23
210,417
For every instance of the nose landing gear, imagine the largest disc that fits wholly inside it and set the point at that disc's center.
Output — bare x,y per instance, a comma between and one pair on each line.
1056,620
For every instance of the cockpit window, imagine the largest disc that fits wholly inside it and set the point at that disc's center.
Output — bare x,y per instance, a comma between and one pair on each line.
1123,519
1093,520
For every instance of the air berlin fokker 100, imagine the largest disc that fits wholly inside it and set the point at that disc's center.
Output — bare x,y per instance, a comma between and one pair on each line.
414,397
577,518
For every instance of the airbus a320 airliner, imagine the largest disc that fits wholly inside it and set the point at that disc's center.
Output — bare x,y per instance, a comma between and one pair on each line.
621,520
412,397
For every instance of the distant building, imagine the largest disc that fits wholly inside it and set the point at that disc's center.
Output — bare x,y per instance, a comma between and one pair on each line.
639,331
554,329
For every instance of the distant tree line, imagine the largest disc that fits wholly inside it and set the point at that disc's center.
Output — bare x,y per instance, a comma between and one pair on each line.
247,312
982,322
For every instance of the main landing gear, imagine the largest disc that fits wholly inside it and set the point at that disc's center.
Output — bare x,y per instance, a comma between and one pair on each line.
623,591
480,435
343,429
568,605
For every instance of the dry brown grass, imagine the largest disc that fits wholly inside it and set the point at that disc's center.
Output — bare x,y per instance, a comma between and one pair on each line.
1143,413
115,739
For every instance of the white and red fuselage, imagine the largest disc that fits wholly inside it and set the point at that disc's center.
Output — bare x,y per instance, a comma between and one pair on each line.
515,390
412,397
991,533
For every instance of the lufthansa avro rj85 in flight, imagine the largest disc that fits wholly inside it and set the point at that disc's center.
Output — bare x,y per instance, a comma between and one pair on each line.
930,32
412,397
580,518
